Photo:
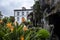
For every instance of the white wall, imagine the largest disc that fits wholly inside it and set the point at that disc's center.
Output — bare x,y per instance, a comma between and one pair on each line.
20,15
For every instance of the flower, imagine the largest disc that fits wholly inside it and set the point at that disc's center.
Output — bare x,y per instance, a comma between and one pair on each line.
23,19
25,28
22,38
15,23
9,25
1,21
11,28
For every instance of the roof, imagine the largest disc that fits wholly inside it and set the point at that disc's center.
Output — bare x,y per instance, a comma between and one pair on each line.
23,10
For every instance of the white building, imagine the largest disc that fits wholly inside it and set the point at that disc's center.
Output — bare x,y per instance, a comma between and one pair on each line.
19,13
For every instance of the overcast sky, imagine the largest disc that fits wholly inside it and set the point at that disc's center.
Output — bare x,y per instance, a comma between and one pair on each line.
7,6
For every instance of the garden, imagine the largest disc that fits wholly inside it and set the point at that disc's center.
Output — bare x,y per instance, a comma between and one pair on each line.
11,30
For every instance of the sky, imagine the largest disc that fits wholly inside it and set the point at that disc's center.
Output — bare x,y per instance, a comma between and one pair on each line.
7,7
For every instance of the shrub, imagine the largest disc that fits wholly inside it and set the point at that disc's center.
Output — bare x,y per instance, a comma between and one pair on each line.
43,33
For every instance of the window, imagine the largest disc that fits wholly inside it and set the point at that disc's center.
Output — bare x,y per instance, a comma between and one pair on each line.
22,13
17,13
27,12
17,18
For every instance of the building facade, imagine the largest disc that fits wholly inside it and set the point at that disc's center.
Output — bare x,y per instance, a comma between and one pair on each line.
21,13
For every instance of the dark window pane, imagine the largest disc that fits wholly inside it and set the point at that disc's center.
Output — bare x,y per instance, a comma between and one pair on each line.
22,13
27,12
17,18
18,13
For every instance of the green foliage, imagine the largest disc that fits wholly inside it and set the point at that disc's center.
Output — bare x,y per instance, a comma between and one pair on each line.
37,10
30,34
36,15
5,19
12,19
43,33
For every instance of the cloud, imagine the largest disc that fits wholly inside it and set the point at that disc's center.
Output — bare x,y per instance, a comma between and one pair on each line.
7,6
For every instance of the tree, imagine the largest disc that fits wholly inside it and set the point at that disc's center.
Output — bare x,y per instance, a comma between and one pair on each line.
30,16
5,20
12,19
37,13
1,15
